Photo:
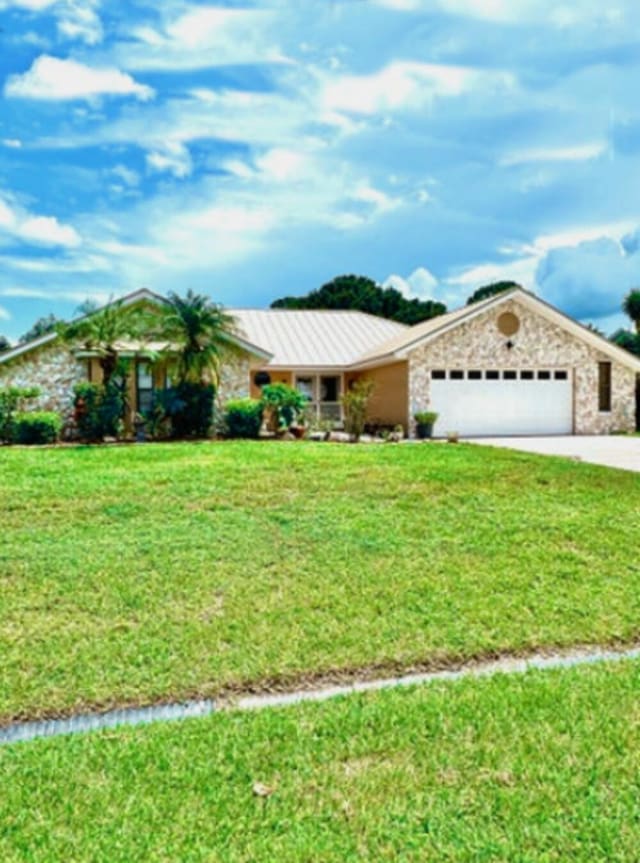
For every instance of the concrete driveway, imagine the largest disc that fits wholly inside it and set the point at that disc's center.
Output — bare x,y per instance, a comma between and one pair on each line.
610,450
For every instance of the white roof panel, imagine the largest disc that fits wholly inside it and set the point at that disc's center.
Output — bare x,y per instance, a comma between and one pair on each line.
300,338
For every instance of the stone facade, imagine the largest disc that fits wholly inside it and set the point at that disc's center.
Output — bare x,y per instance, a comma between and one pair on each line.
478,344
235,380
54,370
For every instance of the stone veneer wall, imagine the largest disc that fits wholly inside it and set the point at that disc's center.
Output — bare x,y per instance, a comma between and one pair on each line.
54,370
235,381
478,344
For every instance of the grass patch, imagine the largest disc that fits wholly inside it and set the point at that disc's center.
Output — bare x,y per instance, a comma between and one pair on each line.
133,574
541,767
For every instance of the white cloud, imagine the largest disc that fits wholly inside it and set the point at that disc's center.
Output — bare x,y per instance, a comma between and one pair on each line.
28,5
127,175
78,19
12,143
172,157
577,153
18,224
421,284
51,78
402,85
203,37
4,314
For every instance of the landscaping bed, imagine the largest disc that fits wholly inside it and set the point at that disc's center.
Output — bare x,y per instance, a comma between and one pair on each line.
132,575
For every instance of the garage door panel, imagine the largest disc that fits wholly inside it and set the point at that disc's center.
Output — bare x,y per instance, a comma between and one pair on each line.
502,407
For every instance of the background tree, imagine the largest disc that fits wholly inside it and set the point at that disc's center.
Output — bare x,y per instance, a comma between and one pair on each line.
44,325
631,307
627,340
5,344
201,332
491,290
364,295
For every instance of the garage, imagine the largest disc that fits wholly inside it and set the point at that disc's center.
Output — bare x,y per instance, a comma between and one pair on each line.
480,402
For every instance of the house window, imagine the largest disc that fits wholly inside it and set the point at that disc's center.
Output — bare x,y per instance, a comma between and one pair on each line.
560,375
544,375
456,375
474,375
323,393
604,387
492,375
438,374
510,375
526,375
144,387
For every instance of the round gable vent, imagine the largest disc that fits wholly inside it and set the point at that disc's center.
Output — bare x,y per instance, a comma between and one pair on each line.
508,324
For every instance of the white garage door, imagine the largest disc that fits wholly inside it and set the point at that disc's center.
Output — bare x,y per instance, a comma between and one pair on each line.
502,401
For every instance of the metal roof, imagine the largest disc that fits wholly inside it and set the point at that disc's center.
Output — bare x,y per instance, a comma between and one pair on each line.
300,338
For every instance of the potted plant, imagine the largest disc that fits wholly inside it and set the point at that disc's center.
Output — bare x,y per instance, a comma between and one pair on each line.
424,423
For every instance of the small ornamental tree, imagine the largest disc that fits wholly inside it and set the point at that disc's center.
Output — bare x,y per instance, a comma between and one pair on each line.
284,404
355,403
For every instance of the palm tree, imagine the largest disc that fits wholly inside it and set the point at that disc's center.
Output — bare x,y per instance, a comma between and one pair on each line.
631,307
201,332
102,330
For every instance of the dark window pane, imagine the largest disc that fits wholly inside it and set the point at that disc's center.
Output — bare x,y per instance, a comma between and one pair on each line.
329,389
492,375
604,386
560,376
510,375
526,375
474,375
456,375
544,375
438,374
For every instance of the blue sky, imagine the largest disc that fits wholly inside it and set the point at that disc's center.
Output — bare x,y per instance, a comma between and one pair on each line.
251,150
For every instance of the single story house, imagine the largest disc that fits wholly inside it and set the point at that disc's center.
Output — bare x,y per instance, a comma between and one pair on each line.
510,365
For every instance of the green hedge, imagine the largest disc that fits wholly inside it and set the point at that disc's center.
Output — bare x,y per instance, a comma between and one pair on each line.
243,418
37,427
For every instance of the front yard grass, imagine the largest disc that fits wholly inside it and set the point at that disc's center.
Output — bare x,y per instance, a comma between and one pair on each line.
145,573
542,767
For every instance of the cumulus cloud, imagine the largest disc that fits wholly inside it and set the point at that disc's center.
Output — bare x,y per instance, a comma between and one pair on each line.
421,284
53,79
18,224
591,278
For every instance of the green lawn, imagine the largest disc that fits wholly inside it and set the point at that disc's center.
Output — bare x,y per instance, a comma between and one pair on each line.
544,767
132,574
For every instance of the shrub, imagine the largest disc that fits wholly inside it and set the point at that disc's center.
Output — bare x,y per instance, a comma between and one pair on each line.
425,418
243,418
99,409
37,427
355,403
11,401
284,403
188,406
